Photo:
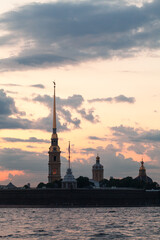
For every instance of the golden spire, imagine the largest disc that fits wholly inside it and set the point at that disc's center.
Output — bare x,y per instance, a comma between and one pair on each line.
97,158
142,170
69,155
54,109
142,164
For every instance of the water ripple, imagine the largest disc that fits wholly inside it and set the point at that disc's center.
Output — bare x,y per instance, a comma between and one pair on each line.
80,223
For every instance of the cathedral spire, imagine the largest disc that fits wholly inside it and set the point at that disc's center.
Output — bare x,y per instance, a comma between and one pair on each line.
69,156
142,170
54,110
54,163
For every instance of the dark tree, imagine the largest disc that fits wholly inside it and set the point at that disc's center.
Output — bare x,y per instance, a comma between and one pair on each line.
83,182
41,185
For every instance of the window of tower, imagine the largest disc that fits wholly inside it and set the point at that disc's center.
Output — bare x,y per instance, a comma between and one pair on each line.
54,158
54,171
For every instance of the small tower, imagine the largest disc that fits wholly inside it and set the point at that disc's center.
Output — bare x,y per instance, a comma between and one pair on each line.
142,170
69,181
97,170
142,174
54,150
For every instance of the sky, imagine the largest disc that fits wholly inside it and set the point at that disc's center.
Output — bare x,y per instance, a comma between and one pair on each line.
104,57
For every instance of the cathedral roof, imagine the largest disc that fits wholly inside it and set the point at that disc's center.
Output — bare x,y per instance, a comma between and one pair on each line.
144,179
142,174
69,176
97,165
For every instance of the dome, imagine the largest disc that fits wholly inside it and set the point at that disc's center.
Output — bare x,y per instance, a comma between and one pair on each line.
144,179
97,165
142,174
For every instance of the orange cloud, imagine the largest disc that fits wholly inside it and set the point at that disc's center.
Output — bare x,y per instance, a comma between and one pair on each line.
4,175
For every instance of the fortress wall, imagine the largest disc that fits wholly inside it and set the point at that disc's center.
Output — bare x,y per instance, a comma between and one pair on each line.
78,198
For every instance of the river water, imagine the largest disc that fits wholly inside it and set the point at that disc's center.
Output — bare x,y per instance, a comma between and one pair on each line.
80,223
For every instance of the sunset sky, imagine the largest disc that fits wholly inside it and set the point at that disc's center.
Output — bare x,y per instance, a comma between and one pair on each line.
105,59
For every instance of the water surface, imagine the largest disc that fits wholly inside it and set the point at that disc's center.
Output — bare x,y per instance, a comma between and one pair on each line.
80,223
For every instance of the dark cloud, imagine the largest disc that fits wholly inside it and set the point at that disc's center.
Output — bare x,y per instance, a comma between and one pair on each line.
18,85
73,103
140,141
68,33
62,114
88,150
96,138
118,99
118,166
138,148
33,164
10,85
31,139
7,109
17,159
115,164
11,92
130,134
38,86
122,98
65,119
7,104
15,123
88,115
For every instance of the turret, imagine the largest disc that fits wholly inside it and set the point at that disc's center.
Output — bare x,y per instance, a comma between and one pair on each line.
97,170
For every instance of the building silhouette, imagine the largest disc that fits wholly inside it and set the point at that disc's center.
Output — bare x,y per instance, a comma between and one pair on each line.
142,174
54,163
69,181
97,170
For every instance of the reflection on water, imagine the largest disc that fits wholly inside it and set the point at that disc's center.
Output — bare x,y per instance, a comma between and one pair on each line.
80,223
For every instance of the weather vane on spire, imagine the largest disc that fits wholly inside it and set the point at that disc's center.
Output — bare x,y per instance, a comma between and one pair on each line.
54,84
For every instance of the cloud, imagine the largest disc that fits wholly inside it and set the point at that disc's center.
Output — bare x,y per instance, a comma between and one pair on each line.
33,165
63,33
114,163
31,139
65,118
137,148
74,101
118,99
17,159
122,98
7,109
15,123
88,150
96,138
88,116
130,134
10,85
62,113
140,141
65,107
38,86
7,104
117,165
18,85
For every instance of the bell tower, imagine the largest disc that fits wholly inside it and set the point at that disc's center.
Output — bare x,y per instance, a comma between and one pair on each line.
54,163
